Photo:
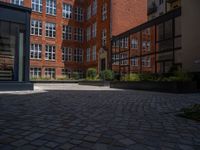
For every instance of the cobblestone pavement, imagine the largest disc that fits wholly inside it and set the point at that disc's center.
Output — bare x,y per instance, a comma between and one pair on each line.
98,119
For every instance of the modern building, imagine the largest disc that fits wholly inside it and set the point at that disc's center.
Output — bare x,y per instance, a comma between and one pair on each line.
167,41
72,35
14,46
159,7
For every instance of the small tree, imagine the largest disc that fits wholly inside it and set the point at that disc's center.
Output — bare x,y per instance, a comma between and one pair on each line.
107,75
91,73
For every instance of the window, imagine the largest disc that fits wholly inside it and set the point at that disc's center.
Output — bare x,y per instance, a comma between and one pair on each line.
88,12
80,73
51,7
36,27
78,55
88,55
134,43
134,61
35,73
18,2
161,2
50,52
94,8
124,59
104,37
115,59
94,53
88,33
36,51
67,72
67,54
104,11
94,30
78,34
148,45
78,14
50,73
37,5
67,32
51,30
67,11
146,61
126,42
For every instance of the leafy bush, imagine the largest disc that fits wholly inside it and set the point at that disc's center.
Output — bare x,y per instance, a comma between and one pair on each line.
107,75
62,78
75,76
192,112
91,73
131,77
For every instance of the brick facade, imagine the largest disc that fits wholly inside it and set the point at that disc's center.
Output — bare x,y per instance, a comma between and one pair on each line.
120,16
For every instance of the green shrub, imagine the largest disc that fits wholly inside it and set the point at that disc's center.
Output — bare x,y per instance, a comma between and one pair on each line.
62,78
91,73
131,77
107,75
75,76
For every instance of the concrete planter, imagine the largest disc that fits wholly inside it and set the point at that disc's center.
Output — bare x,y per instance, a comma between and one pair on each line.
94,83
171,87
55,81
16,86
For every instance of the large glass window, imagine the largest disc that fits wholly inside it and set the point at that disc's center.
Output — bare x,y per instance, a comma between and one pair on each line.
78,14
50,73
11,51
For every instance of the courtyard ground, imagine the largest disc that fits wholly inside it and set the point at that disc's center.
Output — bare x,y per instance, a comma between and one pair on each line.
73,117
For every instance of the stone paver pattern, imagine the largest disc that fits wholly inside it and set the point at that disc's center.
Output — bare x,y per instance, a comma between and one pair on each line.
72,117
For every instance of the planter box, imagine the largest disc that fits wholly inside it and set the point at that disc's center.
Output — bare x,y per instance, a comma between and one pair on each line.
171,87
94,83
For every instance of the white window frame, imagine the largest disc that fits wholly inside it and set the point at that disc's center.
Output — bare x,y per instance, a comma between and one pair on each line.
36,5
35,51
36,27
104,37
50,29
50,52
88,54
51,7
17,2
67,11
35,72
78,55
50,73
78,34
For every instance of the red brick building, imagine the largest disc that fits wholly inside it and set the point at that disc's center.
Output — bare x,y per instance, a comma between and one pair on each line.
72,35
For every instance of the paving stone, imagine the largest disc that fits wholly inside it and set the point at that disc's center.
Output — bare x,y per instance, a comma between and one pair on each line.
90,138
88,116
19,143
127,142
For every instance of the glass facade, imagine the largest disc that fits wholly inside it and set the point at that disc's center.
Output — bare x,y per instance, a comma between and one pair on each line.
11,51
